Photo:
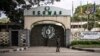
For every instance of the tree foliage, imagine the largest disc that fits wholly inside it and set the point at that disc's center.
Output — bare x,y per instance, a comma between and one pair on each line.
91,18
78,16
9,7
16,14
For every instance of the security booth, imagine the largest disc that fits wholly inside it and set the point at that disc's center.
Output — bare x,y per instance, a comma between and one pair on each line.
45,24
18,37
14,37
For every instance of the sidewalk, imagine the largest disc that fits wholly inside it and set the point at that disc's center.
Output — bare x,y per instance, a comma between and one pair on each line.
5,50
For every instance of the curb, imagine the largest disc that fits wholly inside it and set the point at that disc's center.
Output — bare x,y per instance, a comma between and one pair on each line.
81,49
13,50
4,51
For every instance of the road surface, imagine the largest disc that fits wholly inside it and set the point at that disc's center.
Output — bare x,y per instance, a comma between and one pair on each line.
49,51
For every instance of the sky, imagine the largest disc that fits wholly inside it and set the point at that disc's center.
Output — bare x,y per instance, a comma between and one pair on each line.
67,4
2,15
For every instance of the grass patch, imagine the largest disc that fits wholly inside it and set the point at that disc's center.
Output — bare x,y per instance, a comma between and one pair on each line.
87,46
85,42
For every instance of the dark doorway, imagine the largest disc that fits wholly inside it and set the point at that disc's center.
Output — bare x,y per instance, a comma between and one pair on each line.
39,35
14,38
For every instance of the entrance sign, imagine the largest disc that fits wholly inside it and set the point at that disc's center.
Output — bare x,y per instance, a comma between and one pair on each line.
47,11
90,35
47,8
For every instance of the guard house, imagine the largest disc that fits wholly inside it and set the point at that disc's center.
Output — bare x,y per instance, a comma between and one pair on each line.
45,24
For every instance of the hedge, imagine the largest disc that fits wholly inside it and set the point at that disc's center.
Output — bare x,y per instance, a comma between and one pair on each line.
85,42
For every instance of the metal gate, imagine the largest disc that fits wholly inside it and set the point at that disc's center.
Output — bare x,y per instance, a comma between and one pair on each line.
46,34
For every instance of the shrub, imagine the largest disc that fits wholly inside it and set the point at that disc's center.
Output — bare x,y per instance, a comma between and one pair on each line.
85,42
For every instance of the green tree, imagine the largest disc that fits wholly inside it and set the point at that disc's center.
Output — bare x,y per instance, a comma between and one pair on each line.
83,16
16,14
91,17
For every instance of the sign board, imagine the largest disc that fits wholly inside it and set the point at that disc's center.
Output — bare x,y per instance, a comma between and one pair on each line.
47,11
90,35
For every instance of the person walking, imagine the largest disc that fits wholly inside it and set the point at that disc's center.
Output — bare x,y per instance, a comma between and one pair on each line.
58,44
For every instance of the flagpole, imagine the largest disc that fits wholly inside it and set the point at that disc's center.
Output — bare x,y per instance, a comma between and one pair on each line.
72,8
81,9
94,10
81,13
72,14
87,12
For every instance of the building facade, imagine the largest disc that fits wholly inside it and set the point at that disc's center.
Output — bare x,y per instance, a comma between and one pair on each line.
45,24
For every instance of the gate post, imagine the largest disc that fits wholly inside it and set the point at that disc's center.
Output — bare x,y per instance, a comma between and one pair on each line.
10,38
28,37
23,38
68,33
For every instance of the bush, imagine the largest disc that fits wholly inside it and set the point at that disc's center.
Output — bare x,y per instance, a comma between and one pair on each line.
85,43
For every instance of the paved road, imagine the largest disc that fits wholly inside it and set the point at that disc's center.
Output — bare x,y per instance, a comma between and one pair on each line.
49,51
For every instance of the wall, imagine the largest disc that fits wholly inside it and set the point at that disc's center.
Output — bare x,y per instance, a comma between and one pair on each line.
29,20
4,38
